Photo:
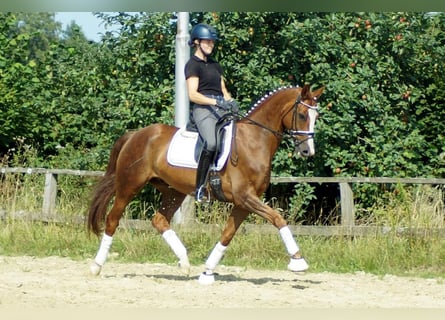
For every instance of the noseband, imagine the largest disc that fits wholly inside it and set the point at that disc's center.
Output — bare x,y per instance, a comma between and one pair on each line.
293,132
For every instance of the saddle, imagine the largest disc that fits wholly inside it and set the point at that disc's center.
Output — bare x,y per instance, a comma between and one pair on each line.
186,145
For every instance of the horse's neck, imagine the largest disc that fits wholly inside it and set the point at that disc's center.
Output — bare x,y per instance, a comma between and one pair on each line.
263,127
270,113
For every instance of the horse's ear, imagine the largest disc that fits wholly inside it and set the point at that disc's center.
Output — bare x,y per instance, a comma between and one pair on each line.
305,92
317,93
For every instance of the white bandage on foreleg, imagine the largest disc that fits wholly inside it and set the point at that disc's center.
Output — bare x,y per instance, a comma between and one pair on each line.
289,241
215,256
175,243
104,248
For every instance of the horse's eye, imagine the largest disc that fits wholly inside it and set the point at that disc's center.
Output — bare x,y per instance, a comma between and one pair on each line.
302,116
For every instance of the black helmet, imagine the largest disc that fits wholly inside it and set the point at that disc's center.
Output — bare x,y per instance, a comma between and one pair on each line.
203,32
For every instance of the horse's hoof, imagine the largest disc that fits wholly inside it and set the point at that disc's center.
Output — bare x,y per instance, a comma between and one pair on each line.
206,279
184,265
297,265
95,269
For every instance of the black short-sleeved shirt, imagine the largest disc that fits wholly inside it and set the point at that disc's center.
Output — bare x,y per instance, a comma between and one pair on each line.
209,73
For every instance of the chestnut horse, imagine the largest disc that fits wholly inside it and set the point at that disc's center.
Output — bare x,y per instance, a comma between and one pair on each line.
140,157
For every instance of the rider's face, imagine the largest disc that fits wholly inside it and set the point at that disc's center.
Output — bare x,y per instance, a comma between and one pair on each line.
207,46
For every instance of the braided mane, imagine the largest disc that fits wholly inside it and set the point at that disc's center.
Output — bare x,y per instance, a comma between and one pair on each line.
267,96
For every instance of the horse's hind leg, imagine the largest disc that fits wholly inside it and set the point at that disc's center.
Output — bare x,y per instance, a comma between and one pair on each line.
235,219
171,201
112,222
128,184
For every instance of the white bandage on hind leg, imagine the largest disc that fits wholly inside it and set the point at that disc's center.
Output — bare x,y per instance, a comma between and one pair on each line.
215,257
289,241
104,248
175,243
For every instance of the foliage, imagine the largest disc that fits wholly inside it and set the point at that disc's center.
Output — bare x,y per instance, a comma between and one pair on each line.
381,113
383,87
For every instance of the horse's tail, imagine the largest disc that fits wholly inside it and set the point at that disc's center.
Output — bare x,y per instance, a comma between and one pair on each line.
105,189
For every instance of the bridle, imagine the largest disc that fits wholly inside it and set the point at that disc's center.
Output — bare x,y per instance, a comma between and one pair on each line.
292,133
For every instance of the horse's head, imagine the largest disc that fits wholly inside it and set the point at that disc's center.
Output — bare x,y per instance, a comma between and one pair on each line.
301,120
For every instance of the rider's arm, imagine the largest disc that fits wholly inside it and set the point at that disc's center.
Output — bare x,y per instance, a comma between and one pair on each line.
226,93
195,96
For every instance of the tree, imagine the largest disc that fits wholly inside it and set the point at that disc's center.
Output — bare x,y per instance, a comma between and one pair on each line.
25,40
381,113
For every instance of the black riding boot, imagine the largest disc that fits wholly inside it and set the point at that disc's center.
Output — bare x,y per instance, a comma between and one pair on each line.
205,160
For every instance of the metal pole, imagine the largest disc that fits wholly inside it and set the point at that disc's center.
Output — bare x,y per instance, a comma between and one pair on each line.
182,108
182,56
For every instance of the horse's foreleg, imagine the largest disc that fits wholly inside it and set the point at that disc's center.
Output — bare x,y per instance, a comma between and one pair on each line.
297,262
234,221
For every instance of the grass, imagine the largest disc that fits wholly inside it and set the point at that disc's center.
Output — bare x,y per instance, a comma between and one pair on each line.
420,208
379,254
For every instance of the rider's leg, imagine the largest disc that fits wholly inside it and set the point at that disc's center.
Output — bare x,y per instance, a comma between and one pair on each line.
206,121
205,160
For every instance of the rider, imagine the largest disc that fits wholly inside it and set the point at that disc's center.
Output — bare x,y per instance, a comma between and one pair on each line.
208,92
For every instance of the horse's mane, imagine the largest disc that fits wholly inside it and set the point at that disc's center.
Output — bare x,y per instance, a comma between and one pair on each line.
267,96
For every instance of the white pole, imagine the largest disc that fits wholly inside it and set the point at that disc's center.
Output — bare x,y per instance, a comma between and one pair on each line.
182,56
182,107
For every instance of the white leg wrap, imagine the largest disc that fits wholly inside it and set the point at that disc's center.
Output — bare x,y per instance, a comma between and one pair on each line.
215,257
175,244
289,241
104,248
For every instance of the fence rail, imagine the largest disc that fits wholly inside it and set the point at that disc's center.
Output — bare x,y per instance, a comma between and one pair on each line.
347,218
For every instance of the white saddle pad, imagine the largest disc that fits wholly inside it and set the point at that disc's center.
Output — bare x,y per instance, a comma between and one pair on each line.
181,151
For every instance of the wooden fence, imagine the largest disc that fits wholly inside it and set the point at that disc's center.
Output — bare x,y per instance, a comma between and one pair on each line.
347,219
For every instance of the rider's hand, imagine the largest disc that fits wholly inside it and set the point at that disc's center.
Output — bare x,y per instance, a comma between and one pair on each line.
234,106
228,105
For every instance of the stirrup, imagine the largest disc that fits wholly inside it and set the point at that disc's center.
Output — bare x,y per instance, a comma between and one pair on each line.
200,195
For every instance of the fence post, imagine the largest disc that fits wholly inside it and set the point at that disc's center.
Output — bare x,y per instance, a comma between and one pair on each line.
49,195
347,205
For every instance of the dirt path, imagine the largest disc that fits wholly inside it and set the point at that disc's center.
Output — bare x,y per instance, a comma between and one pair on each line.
57,282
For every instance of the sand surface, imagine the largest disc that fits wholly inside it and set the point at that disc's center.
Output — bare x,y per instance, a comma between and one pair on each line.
56,282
